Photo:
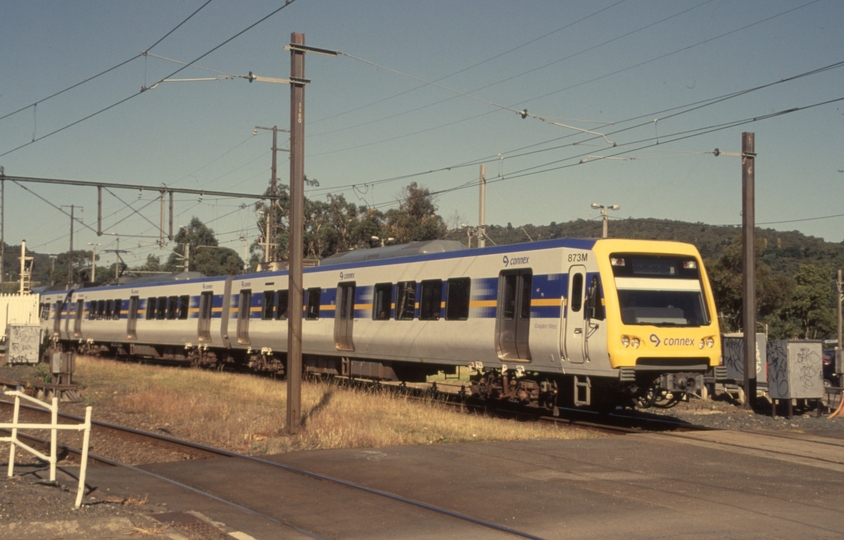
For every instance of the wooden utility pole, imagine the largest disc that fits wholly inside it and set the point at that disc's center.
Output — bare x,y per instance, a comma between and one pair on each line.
748,157
70,254
273,191
297,211
297,206
839,283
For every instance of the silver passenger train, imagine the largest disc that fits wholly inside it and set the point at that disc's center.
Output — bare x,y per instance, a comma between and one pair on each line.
558,322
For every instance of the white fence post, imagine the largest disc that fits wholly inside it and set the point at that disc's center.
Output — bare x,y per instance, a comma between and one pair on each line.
54,427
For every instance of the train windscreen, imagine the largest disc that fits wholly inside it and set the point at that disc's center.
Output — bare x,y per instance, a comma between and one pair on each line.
659,290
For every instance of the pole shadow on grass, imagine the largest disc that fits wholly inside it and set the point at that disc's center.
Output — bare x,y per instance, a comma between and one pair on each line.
323,403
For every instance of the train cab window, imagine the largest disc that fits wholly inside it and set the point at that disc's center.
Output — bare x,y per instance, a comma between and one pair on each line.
184,306
431,300
151,308
161,312
281,304
314,295
268,305
382,301
405,300
457,299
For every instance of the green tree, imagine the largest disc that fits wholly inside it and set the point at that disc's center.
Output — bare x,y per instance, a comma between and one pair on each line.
725,275
220,261
153,264
416,218
203,251
811,309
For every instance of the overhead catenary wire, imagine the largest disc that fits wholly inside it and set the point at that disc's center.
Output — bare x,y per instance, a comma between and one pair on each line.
132,96
515,108
104,72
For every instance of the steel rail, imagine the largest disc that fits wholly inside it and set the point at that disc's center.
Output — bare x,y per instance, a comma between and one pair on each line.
288,468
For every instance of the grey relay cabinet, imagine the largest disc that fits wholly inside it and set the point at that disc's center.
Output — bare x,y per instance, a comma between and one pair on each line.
795,369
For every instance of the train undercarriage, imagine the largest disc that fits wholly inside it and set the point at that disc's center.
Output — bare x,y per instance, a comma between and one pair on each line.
513,385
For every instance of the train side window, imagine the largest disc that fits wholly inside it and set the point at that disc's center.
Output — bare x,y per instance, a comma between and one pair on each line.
431,300
184,305
509,304
281,308
118,308
382,301
268,305
92,310
45,311
172,307
151,307
162,308
313,303
405,300
457,294
576,301
100,308
109,305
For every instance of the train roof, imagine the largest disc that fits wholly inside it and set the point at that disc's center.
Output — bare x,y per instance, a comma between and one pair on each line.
391,252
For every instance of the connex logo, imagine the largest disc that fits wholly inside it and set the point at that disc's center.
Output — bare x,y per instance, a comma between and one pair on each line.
655,340
515,260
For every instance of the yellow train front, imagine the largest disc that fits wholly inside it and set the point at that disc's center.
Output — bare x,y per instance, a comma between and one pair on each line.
598,323
659,316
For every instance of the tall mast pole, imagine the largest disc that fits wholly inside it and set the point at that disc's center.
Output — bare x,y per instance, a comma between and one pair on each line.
297,206
748,176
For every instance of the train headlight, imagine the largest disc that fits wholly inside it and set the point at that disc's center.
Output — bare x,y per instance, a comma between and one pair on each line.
710,342
625,341
700,344
635,342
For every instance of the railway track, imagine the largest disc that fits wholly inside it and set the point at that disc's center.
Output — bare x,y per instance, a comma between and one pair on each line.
199,451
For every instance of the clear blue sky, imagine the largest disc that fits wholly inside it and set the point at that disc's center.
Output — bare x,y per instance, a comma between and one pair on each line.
623,69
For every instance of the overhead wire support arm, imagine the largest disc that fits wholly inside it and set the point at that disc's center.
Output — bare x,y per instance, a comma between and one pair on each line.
107,185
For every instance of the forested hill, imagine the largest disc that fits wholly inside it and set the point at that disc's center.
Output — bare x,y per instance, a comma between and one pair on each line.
784,252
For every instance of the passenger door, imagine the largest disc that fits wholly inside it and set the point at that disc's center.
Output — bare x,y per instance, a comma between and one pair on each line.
575,343
344,317
513,314
243,314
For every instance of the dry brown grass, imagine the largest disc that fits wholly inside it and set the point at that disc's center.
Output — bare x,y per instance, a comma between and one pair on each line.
245,413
